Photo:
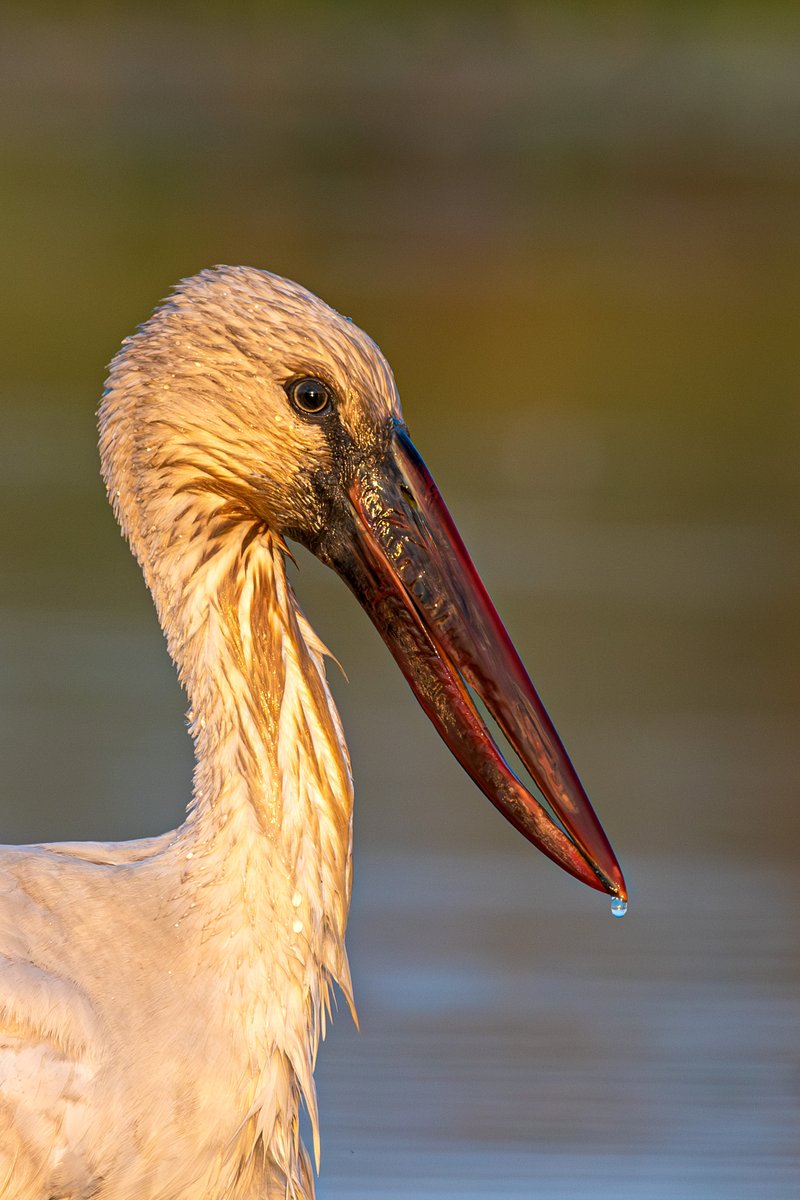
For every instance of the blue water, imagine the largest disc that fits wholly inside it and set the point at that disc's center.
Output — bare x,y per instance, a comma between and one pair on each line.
514,1044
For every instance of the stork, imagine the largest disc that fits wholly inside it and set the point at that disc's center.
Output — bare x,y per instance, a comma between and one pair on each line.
162,1000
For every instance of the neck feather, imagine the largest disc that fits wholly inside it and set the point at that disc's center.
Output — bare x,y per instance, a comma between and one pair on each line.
265,852
268,837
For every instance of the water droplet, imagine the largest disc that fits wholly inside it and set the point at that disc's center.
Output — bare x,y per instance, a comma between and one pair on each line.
618,907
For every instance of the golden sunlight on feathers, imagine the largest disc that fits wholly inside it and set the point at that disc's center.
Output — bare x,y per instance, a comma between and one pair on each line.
162,1001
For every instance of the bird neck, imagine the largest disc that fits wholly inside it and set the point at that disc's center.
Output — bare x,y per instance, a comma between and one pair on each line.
268,837
265,852
272,771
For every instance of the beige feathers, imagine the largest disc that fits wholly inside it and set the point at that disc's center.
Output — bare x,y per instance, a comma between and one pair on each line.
161,1002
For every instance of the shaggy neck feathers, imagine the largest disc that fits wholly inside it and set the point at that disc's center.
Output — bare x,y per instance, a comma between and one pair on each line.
268,836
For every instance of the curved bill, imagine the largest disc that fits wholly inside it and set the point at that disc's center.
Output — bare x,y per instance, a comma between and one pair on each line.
404,559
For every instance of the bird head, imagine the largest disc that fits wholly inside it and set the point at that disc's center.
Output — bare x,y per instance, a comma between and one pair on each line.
247,390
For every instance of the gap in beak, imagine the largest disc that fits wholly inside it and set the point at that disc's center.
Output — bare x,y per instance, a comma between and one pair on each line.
511,759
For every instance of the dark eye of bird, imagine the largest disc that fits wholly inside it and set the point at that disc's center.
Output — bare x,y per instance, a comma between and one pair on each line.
310,395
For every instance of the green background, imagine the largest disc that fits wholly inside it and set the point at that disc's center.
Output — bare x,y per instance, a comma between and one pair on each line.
573,229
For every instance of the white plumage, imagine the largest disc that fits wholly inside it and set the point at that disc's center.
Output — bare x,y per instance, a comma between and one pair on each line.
162,1001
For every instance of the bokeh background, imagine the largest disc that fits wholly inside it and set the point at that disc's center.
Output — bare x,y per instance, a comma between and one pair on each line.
574,231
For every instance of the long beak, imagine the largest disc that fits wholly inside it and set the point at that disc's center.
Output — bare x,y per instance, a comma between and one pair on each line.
404,559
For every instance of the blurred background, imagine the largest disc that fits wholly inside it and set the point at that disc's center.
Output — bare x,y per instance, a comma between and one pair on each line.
574,231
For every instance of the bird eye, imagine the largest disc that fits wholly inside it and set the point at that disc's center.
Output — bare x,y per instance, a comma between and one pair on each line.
310,395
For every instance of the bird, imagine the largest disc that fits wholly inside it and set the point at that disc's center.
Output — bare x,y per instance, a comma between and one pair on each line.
162,1000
